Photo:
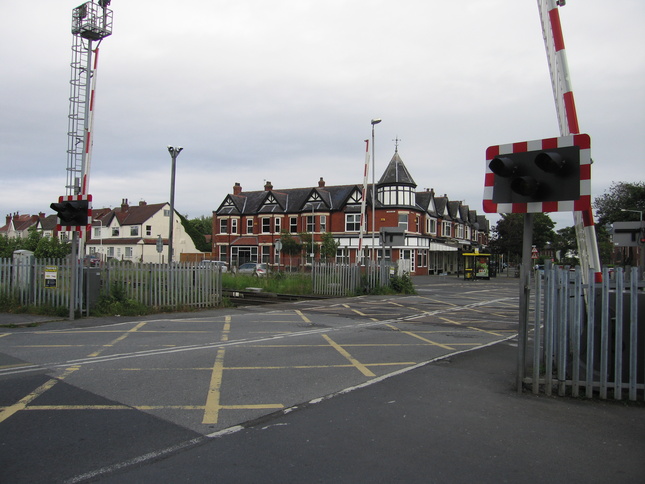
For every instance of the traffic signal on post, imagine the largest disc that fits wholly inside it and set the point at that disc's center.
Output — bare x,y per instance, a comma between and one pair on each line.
547,175
537,176
72,213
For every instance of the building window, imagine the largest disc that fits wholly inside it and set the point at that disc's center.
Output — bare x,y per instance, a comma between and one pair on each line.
223,226
166,212
352,222
115,231
234,226
266,225
249,225
323,223
97,232
222,253
278,225
431,226
403,221
134,231
311,223
266,253
148,230
445,229
342,256
128,252
293,225
110,251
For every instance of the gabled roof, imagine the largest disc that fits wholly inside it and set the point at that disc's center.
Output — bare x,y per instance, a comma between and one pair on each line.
138,214
425,200
292,200
453,210
396,173
440,205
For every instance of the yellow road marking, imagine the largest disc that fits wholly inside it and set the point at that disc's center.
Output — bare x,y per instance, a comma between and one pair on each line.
449,320
437,301
212,407
4,334
227,328
428,341
362,368
484,331
304,318
120,338
26,400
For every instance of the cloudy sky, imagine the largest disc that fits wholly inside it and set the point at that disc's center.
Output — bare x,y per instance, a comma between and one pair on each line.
284,91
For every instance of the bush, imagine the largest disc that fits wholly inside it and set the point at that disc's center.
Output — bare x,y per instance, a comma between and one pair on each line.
403,284
116,303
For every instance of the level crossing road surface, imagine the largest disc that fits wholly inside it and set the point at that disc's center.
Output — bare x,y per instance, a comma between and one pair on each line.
104,392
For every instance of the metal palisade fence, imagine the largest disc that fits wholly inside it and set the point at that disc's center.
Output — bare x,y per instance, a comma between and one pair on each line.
348,279
36,282
47,282
587,339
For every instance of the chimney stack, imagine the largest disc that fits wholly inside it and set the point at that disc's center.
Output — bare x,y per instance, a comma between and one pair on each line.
237,188
321,183
268,187
124,205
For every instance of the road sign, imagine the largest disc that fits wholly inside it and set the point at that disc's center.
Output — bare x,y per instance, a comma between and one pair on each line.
534,253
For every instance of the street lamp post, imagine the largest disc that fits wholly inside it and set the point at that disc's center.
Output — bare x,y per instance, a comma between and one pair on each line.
374,122
174,153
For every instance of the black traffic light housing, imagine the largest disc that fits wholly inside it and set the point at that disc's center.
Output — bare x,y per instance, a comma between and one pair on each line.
549,175
72,213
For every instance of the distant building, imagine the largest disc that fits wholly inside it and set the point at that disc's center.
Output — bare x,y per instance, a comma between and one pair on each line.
17,226
130,233
247,225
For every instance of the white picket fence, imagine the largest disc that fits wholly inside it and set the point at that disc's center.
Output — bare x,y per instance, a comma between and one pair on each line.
586,340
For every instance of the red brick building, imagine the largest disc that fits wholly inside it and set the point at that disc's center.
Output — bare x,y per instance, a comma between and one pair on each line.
436,230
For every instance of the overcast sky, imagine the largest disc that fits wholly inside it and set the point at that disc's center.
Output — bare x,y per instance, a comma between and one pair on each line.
284,91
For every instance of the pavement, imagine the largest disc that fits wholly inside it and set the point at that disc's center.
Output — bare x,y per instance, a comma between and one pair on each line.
457,419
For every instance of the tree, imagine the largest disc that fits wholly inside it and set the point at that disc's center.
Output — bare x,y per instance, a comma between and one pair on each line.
308,244
51,247
329,246
508,233
630,196
196,231
290,246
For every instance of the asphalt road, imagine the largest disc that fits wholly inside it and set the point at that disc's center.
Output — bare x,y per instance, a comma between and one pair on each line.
107,399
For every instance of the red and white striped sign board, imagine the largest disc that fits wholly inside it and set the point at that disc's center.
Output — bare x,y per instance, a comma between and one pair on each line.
76,228
582,141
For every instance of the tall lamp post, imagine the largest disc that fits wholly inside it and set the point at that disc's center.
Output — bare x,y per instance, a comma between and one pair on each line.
374,122
174,153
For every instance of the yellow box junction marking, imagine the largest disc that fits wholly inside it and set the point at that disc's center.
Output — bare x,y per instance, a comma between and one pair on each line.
211,411
120,338
359,366
26,400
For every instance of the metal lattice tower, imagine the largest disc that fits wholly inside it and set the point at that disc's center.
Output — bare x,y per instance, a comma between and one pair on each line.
91,22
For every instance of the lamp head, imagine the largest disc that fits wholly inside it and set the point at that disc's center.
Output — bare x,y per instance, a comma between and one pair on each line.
376,121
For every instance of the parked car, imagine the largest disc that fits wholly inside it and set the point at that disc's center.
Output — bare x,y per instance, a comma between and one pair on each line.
254,269
215,263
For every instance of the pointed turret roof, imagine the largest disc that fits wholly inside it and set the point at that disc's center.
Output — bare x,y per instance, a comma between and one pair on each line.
396,173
